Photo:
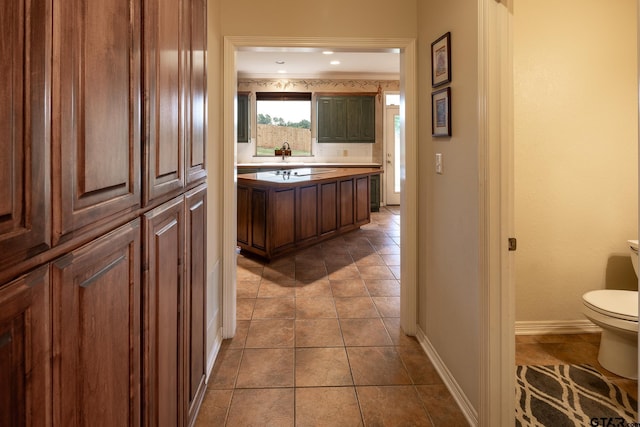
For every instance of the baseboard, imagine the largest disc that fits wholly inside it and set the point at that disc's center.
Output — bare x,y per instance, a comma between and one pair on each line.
467,409
545,327
211,359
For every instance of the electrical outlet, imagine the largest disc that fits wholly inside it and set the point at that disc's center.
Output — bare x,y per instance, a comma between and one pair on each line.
345,153
439,163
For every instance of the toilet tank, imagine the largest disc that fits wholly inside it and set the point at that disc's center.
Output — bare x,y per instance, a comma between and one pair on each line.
633,247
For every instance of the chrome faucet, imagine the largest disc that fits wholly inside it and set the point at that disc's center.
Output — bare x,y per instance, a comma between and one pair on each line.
285,146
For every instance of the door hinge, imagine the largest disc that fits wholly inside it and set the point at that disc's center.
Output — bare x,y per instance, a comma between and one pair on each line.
513,243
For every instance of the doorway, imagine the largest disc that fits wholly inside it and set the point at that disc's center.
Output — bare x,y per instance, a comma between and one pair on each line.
392,149
407,50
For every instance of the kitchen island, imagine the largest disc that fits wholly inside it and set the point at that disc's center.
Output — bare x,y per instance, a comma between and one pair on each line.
285,210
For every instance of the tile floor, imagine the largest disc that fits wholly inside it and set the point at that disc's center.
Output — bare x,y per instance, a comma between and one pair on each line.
318,342
567,349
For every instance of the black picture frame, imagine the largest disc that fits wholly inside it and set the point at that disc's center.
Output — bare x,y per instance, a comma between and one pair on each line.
441,112
441,60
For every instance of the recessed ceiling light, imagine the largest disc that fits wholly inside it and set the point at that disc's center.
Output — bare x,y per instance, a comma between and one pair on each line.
280,62
328,52
282,71
335,62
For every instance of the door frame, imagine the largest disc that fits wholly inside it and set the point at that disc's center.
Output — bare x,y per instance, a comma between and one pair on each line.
408,116
496,225
387,176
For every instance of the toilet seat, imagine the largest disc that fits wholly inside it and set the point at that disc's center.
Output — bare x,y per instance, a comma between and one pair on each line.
614,303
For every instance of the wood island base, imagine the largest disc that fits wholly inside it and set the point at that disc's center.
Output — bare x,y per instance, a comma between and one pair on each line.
283,211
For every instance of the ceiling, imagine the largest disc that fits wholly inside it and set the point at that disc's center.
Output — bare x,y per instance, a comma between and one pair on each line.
313,63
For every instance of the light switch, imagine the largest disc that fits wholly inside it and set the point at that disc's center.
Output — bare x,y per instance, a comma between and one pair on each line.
439,163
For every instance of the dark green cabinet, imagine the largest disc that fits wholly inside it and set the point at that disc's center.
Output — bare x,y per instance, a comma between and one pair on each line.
346,118
375,193
243,117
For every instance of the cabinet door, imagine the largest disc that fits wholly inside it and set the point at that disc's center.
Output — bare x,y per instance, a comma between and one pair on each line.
96,330
243,117
196,129
328,208
165,98
195,299
25,351
347,210
367,119
361,121
354,117
283,223
25,76
362,196
96,106
163,288
307,212
332,124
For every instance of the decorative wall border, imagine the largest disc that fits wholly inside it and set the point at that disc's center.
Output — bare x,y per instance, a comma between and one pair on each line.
319,85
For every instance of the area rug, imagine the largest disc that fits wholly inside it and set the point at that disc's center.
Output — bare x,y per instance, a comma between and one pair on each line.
570,395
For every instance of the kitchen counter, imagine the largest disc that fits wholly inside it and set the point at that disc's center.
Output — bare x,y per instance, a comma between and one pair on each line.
288,177
294,164
285,210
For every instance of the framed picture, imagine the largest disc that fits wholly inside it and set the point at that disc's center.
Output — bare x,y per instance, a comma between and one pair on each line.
441,114
441,60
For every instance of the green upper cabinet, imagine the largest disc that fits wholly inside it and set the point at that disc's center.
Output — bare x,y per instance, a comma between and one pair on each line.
349,118
243,117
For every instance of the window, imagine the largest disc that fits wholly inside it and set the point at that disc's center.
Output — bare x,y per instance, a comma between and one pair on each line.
283,117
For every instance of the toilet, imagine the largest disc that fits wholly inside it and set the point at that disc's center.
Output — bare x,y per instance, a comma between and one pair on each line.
616,312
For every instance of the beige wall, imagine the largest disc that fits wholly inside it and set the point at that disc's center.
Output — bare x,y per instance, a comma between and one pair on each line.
576,144
331,18
448,203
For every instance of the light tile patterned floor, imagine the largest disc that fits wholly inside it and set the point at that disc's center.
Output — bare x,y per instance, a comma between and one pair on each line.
319,343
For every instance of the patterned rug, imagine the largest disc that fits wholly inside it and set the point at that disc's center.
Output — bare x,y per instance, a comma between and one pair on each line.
570,395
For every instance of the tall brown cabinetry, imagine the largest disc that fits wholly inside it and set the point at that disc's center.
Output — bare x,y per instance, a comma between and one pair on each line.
102,212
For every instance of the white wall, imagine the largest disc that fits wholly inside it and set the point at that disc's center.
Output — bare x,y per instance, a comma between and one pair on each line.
448,203
575,109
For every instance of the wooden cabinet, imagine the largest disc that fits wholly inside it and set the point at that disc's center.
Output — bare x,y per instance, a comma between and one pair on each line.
164,88
96,332
277,217
346,118
25,73
96,103
361,122
25,350
196,120
328,207
104,120
332,119
163,324
195,300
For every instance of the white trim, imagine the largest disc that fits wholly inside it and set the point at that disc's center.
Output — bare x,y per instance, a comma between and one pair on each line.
448,379
495,157
229,219
550,327
408,114
408,188
211,358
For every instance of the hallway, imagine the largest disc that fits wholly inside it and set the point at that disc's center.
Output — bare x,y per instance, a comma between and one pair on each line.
318,342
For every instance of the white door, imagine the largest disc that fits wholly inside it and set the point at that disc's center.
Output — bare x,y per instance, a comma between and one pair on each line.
392,161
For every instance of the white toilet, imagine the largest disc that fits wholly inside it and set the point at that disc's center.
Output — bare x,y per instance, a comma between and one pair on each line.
616,312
